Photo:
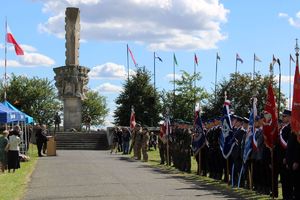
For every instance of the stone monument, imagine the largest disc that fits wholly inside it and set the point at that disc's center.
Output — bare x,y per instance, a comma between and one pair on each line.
71,79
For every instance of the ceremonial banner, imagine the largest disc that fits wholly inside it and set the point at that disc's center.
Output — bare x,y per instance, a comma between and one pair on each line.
250,133
295,120
199,138
132,119
270,127
227,140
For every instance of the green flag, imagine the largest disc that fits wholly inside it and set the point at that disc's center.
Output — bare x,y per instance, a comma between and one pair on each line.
175,60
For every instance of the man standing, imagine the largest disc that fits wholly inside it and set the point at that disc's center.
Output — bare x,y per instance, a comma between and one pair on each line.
57,122
285,133
292,164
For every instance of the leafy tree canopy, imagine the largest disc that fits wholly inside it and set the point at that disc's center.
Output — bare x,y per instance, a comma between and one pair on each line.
139,93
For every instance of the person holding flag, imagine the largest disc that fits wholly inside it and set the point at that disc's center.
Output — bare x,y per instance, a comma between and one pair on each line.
270,131
198,139
226,139
246,146
293,144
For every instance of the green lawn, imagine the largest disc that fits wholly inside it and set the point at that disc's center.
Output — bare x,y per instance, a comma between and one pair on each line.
13,185
154,161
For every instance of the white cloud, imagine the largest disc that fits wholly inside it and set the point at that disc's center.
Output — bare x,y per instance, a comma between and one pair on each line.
10,63
110,71
283,15
108,88
163,25
36,59
28,48
31,57
285,79
293,21
170,77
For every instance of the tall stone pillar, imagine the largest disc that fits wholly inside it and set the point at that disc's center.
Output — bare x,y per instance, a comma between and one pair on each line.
71,79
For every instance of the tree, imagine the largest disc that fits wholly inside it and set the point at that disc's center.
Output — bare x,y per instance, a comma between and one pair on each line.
186,95
34,96
240,89
94,106
139,93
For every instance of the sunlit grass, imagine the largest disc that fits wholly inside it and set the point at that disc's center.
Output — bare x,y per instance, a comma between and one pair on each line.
13,185
154,161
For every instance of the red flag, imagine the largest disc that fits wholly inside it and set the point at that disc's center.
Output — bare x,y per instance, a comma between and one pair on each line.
131,54
270,127
196,60
10,39
132,119
295,120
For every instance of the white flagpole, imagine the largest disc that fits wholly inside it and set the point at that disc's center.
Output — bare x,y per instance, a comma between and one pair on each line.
5,60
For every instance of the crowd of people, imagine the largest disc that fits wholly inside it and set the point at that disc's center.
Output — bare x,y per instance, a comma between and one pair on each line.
14,144
257,172
261,170
9,149
139,140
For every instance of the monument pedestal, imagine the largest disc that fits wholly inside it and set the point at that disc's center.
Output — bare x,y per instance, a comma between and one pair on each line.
72,113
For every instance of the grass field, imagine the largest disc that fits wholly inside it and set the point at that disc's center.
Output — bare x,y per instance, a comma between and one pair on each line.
154,161
13,185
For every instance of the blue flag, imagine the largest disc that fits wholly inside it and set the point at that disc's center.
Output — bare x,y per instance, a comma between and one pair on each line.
199,137
249,137
227,140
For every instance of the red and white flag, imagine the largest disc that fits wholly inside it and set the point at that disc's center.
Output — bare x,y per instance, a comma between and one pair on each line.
295,120
270,127
196,59
132,57
10,39
132,119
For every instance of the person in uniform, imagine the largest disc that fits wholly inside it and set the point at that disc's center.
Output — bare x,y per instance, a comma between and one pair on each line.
293,165
162,140
145,143
236,151
284,134
138,142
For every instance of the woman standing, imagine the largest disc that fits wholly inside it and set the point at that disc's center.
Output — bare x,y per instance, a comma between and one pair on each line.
3,150
13,150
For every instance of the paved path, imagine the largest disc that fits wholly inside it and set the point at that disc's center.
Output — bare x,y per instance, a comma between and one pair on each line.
91,175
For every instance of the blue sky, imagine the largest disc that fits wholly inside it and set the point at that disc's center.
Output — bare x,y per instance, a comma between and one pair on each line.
183,27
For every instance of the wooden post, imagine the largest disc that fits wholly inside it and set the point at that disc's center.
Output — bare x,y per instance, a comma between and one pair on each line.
227,166
199,167
250,176
272,171
168,157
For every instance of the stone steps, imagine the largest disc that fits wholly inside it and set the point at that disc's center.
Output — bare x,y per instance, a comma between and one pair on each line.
81,141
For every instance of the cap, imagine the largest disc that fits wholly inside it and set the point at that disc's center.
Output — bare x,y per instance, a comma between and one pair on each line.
245,120
287,112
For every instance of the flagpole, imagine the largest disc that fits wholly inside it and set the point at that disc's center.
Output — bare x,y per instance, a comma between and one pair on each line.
127,64
174,85
5,59
279,95
216,75
290,82
253,66
154,71
195,80
236,65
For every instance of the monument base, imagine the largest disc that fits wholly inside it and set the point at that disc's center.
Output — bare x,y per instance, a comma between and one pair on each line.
72,113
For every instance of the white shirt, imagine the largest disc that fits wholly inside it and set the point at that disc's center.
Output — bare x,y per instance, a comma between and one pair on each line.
14,142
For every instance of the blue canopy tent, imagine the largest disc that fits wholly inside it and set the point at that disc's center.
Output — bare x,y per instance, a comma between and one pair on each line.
28,118
8,115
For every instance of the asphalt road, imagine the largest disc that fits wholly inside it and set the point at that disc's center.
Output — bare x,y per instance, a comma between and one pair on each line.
91,175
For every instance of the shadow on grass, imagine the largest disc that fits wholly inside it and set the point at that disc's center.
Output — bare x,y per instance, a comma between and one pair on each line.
200,182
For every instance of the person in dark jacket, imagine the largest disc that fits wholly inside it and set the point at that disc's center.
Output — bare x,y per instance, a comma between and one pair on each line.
41,138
